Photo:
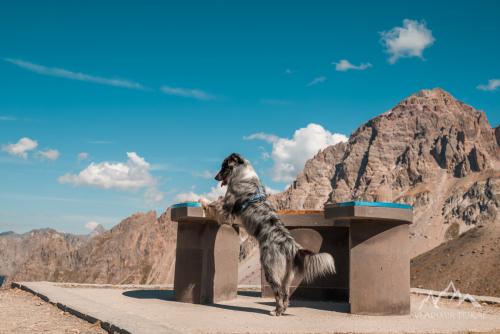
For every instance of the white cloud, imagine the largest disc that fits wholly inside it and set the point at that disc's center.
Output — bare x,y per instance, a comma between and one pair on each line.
63,73
316,81
290,155
82,156
7,118
21,148
49,154
262,136
91,225
492,85
410,40
344,65
270,190
212,195
187,92
189,196
132,175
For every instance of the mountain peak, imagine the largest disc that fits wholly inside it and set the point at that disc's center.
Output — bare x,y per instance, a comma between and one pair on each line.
434,102
434,93
99,229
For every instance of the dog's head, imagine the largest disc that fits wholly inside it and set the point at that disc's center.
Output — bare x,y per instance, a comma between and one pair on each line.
229,167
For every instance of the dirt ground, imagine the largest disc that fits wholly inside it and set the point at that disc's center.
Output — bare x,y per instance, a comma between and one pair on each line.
21,312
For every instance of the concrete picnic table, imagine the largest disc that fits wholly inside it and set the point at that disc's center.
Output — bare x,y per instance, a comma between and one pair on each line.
369,241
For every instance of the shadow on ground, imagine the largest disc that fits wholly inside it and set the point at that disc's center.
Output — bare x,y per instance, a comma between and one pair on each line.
323,306
168,295
249,293
241,308
150,294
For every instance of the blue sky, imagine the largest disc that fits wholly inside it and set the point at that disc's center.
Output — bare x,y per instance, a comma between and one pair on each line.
180,85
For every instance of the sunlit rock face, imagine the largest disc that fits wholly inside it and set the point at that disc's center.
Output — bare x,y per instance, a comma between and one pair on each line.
430,151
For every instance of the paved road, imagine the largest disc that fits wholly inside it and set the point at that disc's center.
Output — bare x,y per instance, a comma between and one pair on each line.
153,310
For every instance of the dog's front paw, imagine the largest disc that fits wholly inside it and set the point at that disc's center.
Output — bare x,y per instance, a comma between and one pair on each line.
275,313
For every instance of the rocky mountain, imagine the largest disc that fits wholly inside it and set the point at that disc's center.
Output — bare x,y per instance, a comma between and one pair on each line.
140,249
431,151
312,187
47,248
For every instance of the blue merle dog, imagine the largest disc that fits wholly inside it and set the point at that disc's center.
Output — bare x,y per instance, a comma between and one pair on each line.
281,257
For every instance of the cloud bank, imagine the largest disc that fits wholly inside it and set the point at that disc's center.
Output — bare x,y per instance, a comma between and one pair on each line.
67,74
492,85
91,225
21,148
344,65
316,81
132,175
187,92
190,196
49,154
410,40
289,155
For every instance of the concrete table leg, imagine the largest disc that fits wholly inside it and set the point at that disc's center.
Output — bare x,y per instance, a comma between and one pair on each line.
206,267
379,280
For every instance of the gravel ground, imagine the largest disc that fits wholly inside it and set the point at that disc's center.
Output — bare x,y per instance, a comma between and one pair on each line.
21,312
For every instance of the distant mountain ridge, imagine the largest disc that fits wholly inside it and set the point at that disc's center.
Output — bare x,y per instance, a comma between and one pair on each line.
140,249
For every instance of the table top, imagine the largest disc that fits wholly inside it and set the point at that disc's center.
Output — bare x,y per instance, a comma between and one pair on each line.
293,218
369,211
338,214
374,204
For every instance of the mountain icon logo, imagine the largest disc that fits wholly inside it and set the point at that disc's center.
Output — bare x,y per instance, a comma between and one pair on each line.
450,292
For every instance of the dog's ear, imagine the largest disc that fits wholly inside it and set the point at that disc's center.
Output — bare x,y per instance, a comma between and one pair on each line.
235,157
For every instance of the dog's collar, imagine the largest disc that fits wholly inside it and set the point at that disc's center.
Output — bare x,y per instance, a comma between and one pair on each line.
259,196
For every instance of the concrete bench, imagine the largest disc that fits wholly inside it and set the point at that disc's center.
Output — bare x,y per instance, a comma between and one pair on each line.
206,261
369,241
379,255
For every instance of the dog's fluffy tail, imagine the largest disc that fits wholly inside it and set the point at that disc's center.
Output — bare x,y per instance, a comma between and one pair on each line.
312,265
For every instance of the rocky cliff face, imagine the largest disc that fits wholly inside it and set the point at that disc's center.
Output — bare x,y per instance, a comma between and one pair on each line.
39,252
141,249
430,151
313,185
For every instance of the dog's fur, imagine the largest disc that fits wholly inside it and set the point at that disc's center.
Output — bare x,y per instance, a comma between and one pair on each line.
281,257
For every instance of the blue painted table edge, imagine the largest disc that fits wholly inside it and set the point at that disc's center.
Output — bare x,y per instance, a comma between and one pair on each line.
186,205
376,204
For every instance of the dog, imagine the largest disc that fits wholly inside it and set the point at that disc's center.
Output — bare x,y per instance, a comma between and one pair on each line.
281,257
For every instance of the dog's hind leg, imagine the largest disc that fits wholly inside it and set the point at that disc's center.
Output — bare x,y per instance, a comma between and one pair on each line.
275,285
287,281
